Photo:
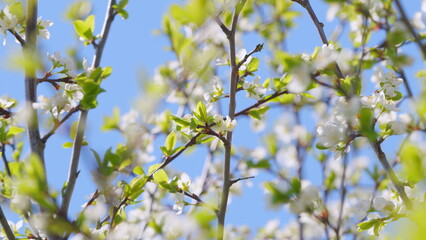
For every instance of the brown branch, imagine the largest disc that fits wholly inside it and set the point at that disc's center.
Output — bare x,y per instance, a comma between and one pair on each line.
260,102
399,187
81,126
5,161
320,28
17,36
258,48
231,113
222,26
240,179
58,124
169,159
58,80
410,28
199,201
3,220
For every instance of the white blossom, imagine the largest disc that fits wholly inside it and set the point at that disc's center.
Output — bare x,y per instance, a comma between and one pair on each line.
6,102
254,89
184,182
225,125
332,132
301,78
60,61
240,56
180,203
88,69
7,20
306,199
383,205
95,212
42,27
326,55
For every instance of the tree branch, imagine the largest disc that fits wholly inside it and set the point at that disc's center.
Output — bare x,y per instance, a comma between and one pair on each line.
320,28
17,36
6,163
233,181
73,170
410,28
58,124
399,187
231,113
36,145
9,233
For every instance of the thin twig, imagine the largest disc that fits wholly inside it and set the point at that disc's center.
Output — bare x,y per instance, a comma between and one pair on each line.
169,159
222,25
399,187
59,123
54,81
405,81
260,102
17,36
199,201
410,28
233,181
6,163
258,48
342,195
320,28
72,174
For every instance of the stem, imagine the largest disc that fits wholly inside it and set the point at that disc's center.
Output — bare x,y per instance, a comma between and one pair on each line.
36,145
410,28
75,157
5,225
6,163
399,187
320,28
342,196
232,105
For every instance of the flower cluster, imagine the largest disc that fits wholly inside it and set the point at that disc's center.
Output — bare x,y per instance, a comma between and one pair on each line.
305,200
224,124
333,134
254,89
64,62
12,19
62,101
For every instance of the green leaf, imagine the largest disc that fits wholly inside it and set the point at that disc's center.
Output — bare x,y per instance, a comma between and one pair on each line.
254,113
412,162
73,130
78,10
201,112
253,65
106,72
180,121
85,28
13,131
170,141
67,145
91,91
18,11
159,175
366,225
367,124
112,122
138,170
97,157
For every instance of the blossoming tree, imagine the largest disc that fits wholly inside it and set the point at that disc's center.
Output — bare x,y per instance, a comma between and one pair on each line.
342,128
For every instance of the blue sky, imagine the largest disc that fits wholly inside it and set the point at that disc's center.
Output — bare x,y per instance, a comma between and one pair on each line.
132,49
